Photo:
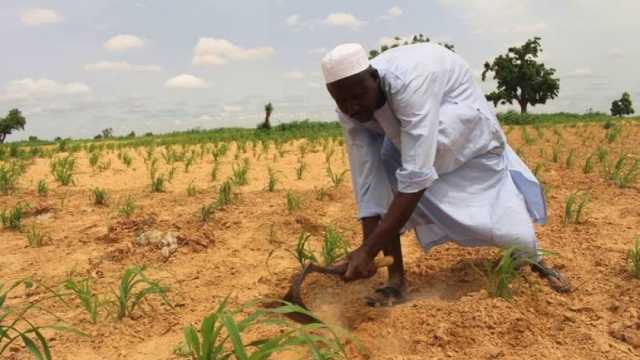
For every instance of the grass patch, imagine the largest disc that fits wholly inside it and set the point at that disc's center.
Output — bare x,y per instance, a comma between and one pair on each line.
574,207
134,288
63,169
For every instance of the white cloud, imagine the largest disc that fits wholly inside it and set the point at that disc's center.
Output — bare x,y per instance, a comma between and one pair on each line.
231,108
123,42
387,40
534,29
40,16
211,51
121,66
344,20
35,88
392,13
616,53
583,72
186,81
294,75
292,20
318,51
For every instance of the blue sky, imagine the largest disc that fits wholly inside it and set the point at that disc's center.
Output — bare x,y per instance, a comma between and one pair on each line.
75,67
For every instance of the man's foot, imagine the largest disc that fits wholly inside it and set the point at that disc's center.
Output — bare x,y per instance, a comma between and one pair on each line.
556,280
387,295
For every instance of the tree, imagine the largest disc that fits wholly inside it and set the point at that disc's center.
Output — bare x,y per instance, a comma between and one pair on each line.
107,133
521,78
419,38
13,121
623,106
268,109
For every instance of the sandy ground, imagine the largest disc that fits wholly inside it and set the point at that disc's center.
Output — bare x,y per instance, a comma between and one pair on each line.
449,313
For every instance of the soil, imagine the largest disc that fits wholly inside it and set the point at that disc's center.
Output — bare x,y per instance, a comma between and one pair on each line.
242,253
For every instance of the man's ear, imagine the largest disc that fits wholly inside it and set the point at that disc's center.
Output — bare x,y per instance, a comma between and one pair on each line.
374,73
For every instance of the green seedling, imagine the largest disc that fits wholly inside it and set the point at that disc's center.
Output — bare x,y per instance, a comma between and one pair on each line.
588,166
225,195
239,176
574,207
634,259
35,238
570,159
100,196
293,202
81,289
272,180
302,253
300,169
42,188
501,275
15,326
334,246
336,178
12,218
220,335
62,170
135,287
127,208
192,190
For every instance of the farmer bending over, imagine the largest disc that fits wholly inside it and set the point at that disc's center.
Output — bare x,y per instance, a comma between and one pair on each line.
426,153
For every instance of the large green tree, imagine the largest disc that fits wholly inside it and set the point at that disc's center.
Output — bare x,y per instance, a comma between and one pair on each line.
416,39
521,77
13,121
623,106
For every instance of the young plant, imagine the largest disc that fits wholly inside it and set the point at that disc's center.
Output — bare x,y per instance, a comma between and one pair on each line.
239,176
225,195
42,188
135,287
501,275
35,238
127,208
16,326
570,159
302,253
588,166
62,170
293,202
94,158
574,207
214,171
220,335
336,178
158,184
322,193
126,159
12,218
100,196
89,300
634,259
206,211
192,190
272,180
537,169
334,246
302,166
555,154
618,174
9,175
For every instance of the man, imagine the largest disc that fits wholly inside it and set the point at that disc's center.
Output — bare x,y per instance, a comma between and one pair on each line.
426,153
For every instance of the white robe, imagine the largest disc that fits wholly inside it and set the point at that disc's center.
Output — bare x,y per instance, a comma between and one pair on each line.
436,131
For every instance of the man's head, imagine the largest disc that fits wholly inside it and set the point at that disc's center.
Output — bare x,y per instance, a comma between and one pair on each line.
352,82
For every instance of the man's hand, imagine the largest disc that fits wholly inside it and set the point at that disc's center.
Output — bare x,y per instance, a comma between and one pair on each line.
359,265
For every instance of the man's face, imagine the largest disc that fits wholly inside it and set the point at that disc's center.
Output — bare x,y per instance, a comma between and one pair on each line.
356,95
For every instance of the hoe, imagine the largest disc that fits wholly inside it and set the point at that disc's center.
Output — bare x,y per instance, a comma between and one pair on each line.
294,294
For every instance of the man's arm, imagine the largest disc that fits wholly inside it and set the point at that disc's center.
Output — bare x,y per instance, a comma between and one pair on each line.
377,233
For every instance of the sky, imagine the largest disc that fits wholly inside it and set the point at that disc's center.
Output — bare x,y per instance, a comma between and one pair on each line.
75,67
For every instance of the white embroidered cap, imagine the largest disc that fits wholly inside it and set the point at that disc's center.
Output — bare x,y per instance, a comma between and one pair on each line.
343,61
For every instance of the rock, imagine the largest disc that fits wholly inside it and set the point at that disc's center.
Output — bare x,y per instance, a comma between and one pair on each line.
166,242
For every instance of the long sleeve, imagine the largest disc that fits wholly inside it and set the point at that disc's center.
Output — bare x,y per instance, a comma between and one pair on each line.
370,185
416,105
